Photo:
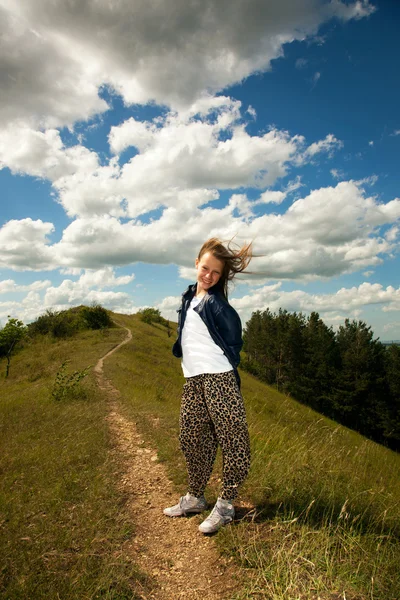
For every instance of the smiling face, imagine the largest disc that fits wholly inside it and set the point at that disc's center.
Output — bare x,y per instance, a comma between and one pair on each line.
209,271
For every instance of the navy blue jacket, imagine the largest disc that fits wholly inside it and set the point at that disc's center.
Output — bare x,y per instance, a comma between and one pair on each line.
220,318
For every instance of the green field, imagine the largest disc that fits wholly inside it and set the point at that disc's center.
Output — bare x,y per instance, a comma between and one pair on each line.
324,503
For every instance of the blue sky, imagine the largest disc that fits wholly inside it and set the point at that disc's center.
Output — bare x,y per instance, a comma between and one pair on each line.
129,136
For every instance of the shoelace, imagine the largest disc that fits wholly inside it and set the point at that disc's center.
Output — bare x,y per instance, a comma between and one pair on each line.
215,515
181,502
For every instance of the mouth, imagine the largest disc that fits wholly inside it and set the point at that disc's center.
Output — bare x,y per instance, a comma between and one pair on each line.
205,282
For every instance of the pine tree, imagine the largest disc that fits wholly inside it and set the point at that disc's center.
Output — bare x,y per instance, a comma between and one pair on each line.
392,375
314,385
358,399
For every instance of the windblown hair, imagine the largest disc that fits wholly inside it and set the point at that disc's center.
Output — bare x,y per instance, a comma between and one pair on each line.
235,259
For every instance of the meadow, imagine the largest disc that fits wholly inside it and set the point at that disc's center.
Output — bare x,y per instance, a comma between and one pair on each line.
319,515
63,525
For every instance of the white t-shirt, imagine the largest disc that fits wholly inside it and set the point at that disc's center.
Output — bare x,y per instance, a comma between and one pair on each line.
200,354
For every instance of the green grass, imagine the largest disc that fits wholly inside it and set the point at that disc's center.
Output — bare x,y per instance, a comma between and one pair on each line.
326,522
62,525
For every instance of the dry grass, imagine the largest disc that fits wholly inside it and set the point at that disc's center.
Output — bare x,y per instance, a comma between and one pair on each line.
326,517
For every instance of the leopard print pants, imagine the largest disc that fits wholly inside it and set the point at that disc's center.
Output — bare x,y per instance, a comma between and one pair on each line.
212,414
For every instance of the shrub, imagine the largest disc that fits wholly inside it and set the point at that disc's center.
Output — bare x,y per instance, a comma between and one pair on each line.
60,324
152,315
67,386
96,317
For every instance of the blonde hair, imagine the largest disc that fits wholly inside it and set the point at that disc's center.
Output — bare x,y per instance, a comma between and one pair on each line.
234,258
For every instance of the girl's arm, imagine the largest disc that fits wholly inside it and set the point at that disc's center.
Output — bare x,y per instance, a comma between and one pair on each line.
229,327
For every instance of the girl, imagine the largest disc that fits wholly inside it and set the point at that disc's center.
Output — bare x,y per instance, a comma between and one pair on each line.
212,410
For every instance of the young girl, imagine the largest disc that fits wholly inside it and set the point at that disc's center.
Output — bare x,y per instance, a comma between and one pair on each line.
212,410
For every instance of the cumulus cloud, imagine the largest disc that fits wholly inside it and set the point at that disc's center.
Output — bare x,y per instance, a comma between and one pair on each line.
392,233
56,55
349,301
24,245
9,285
328,145
43,154
90,287
181,161
330,231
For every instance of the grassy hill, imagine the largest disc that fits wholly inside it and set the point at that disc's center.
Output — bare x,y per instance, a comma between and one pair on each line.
325,518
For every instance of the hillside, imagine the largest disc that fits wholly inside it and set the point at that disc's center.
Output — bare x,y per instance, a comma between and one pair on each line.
320,510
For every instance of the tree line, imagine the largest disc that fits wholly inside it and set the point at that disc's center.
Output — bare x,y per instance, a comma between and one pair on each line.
346,374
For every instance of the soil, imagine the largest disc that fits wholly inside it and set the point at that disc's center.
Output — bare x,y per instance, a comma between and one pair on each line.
180,561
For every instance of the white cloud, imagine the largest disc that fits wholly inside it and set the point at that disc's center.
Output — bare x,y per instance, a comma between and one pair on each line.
8,285
367,181
42,154
252,112
56,55
24,245
331,231
356,10
89,288
272,197
349,301
328,145
169,306
182,161
392,233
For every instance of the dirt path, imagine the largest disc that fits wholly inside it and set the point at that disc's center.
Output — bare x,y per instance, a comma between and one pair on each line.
183,562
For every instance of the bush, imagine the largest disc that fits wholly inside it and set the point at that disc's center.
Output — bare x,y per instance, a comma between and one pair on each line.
96,317
152,315
58,324
67,386
66,323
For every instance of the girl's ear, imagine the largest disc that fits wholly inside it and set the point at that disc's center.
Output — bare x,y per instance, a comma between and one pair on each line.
196,262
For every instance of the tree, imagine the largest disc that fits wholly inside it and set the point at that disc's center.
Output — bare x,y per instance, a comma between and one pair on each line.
10,335
360,391
392,422
320,361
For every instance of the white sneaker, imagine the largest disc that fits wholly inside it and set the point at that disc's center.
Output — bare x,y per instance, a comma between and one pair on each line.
187,505
222,514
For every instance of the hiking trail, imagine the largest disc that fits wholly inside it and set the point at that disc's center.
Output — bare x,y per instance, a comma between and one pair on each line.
182,562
